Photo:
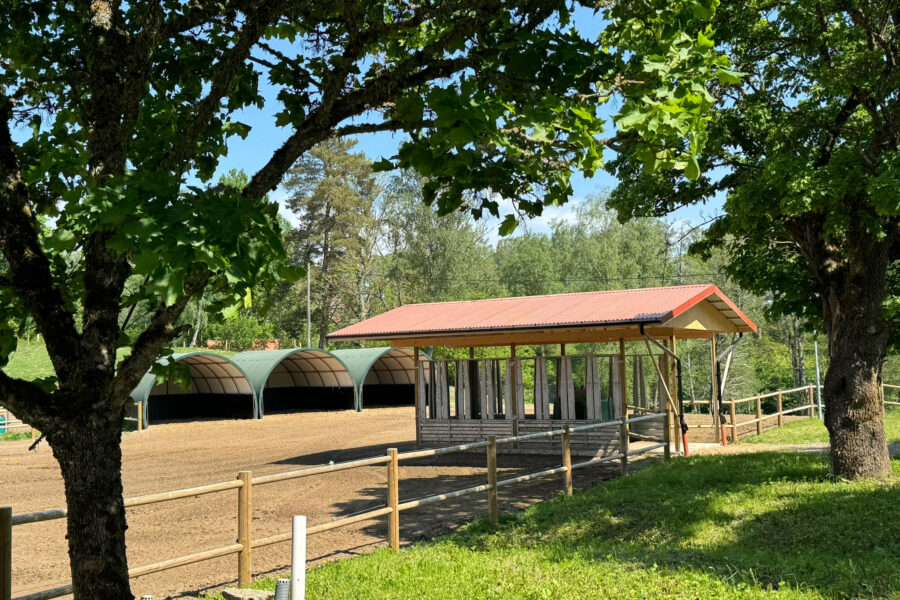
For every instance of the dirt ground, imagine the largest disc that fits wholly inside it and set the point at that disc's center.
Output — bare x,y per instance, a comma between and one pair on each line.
179,455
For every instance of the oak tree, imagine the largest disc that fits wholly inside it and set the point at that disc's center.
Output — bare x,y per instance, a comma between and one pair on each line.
114,117
804,145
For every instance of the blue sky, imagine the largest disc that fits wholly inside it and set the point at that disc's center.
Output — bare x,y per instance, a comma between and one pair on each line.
265,137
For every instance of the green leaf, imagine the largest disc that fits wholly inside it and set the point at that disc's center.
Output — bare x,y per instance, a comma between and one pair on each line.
508,225
729,77
692,169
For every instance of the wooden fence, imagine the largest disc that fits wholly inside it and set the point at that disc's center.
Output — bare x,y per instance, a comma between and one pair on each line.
763,421
246,483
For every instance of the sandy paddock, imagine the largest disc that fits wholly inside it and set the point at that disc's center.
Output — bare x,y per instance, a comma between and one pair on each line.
179,455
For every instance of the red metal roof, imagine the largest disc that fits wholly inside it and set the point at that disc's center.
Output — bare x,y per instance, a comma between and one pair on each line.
584,309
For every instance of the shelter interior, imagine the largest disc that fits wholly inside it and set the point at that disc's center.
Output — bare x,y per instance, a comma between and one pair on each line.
219,390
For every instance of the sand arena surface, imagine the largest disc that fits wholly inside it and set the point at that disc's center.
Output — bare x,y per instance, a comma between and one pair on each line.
187,454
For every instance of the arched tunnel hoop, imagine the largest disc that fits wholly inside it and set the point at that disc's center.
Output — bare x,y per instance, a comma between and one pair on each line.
210,374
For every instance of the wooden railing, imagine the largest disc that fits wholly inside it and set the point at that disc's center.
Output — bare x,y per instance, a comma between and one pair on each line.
809,406
245,483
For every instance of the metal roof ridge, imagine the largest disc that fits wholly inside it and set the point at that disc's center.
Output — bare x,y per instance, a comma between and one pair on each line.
662,287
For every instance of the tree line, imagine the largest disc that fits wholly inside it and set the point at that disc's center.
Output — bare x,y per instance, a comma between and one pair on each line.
371,244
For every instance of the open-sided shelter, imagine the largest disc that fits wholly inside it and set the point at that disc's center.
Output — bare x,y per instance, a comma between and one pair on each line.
381,376
475,398
297,379
312,378
219,389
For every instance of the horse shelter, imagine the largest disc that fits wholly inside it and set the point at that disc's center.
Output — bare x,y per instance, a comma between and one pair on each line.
632,368
312,378
219,389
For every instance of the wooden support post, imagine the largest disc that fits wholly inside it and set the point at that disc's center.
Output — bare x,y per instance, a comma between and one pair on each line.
714,391
417,399
492,479
623,428
567,460
676,394
812,406
667,435
245,514
780,410
733,422
140,416
758,415
393,483
883,405
6,553
514,391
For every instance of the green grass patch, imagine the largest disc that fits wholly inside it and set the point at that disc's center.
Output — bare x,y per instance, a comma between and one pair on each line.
766,525
14,436
812,430
30,361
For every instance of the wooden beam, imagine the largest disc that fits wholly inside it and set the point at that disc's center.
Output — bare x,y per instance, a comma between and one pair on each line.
623,429
544,337
714,392
416,392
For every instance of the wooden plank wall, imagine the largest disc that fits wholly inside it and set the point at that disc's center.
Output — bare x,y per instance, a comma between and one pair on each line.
496,403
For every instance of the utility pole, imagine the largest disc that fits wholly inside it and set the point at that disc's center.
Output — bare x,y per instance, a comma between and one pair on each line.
309,309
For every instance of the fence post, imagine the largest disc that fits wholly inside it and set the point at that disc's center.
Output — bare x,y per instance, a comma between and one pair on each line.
393,479
567,460
667,434
6,553
758,415
812,406
733,422
492,479
780,408
140,416
245,511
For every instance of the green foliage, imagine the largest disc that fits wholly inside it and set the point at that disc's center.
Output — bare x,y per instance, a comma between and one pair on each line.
748,526
795,146
241,330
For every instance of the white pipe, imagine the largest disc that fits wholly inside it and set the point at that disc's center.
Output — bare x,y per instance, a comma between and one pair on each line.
298,558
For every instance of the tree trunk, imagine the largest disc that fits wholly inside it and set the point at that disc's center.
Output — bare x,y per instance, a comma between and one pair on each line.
853,410
857,341
90,457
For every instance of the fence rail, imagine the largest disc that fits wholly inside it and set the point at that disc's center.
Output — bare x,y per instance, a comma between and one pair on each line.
809,406
393,507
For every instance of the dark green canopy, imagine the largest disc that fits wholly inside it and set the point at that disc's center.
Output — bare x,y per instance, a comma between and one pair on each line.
210,374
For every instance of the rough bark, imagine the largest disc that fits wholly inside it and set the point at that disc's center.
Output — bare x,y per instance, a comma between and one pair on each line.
853,409
90,458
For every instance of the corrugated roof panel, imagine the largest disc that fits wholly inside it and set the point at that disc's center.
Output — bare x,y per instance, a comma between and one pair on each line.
597,309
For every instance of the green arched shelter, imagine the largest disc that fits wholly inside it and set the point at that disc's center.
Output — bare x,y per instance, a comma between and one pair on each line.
211,375
316,368
292,368
378,366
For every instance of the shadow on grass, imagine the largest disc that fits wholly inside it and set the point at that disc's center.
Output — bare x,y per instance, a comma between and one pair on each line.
764,519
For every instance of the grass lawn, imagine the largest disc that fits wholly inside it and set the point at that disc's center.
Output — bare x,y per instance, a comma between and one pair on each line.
31,361
813,430
766,525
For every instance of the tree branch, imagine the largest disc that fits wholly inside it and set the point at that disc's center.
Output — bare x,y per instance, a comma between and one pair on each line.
421,67
29,268
161,330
